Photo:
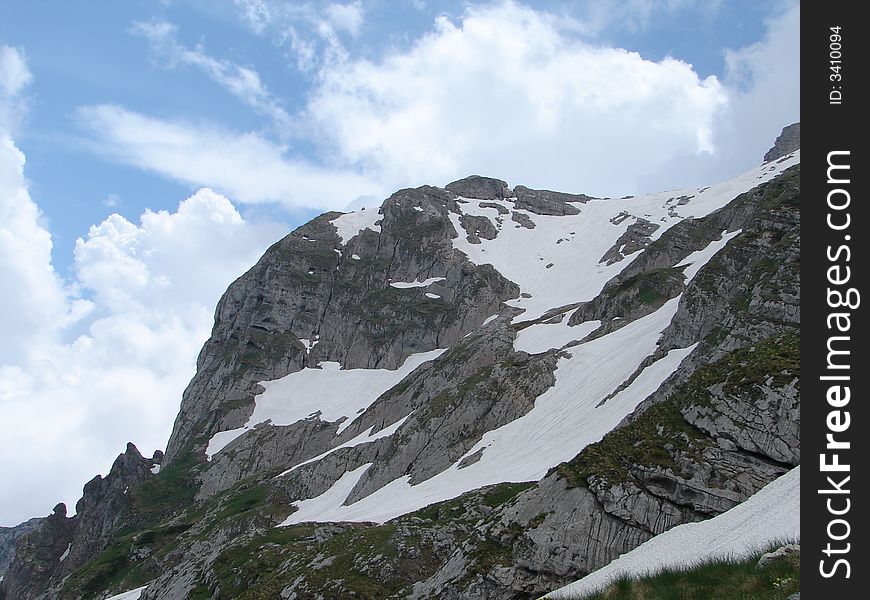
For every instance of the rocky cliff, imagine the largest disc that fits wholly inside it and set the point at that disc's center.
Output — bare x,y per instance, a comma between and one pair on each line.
473,392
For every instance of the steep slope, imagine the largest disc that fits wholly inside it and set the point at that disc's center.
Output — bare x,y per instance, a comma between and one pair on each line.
774,512
481,392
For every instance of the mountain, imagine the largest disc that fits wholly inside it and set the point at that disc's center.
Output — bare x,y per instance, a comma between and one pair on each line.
476,391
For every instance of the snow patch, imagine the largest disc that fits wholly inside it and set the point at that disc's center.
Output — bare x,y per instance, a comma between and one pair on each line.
565,419
431,295
155,469
771,515
521,254
65,552
130,595
309,344
489,319
699,258
416,284
328,393
362,438
355,256
544,336
349,225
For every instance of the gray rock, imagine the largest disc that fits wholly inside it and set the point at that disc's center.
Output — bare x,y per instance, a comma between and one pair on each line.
9,536
479,188
546,202
787,142
769,558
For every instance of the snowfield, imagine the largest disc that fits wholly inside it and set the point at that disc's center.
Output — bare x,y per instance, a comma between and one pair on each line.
545,261
565,419
329,393
771,515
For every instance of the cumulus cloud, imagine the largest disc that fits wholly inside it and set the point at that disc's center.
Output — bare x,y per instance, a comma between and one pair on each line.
762,83
507,92
86,375
246,166
90,363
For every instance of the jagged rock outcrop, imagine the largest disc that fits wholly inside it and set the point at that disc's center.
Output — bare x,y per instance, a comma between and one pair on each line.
59,544
38,556
787,142
9,536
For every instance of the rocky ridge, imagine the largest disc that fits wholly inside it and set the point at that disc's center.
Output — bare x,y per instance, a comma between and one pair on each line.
373,291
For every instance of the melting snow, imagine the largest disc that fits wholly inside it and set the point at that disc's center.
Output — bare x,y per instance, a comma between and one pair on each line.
431,295
362,438
699,258
130,595
522,254
416,284
329,393
489,319
155,469
542,337
564,420
355,256
349,225
771,515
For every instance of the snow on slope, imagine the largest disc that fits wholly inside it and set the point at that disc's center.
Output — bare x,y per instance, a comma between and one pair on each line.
698,259
416,284
129,595
564,420
573,245
363,438
544,336
327,392
350,224
771,515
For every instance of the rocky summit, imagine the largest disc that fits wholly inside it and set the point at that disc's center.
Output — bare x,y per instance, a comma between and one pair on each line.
478,391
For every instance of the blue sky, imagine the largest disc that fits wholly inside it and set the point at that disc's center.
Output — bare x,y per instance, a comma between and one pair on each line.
115,115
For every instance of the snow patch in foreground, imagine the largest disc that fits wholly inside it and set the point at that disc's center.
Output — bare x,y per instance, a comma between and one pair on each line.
329,393
771,515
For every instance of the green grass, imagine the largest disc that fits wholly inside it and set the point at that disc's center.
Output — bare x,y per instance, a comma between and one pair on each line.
719,580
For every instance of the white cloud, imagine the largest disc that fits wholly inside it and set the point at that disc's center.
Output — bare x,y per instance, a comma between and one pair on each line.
243,82
256,13
245,166
312,29
14,77
71,405
506,92
763,86
346,17
79,377
14,74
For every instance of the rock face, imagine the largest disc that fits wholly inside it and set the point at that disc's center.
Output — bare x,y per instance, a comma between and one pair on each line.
9,536
788,141
435,474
